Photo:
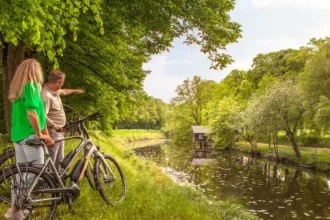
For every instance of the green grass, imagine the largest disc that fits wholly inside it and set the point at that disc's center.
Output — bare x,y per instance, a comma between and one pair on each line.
318,158
136,135
151,194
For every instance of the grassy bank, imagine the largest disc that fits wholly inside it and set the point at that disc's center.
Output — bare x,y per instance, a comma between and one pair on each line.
150,195
137,135
316,158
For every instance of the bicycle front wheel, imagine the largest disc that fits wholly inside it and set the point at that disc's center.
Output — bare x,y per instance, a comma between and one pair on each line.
110,180
39,204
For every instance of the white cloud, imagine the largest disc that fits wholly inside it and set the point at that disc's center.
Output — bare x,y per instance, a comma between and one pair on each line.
323,30
242,64
302,4
159,83
162,61
281,43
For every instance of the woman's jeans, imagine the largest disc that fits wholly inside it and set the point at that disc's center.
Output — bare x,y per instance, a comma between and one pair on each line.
25,153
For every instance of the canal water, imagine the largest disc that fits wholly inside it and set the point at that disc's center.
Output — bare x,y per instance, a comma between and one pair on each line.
268,190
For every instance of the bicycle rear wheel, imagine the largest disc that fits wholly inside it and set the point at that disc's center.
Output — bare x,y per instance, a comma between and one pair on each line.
110,180
8,157
39,204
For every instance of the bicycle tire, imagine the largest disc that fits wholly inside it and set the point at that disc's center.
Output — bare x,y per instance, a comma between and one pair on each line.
8,157
89,173
106,180
45,181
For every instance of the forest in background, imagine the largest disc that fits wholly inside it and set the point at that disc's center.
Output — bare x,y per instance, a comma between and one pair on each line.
283,98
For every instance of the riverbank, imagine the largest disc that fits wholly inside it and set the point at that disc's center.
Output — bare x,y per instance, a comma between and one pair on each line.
313,158
151,194
131,139
137,135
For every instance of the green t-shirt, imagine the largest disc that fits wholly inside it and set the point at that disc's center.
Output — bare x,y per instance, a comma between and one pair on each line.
31,101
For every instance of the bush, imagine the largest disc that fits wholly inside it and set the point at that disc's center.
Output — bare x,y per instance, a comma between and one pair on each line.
325,142
283,139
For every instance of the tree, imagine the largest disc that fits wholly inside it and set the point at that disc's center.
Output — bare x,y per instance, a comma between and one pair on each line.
283,64
322,115
28,27
262,120
315,84
281,105
149,114
224,119
135,29
186,109
193,95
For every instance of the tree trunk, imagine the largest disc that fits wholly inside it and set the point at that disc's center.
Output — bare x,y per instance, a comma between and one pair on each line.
276,147
293,142
269,141
11,57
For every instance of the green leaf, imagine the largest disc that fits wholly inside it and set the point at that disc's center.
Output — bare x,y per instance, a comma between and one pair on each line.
102,31
24,26
78,3
36,38
14,41
75,37
50,55
50,17
76,12
85,9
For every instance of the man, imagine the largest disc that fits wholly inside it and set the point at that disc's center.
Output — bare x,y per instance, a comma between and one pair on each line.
54,111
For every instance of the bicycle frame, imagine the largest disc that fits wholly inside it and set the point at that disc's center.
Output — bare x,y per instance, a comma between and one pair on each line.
93,152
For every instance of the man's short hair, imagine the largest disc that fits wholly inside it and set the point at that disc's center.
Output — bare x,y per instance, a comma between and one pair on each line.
55,75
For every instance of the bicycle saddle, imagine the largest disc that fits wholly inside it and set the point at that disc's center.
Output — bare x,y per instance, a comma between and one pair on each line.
34,142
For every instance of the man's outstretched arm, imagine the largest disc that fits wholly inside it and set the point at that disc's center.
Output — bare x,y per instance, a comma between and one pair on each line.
71,91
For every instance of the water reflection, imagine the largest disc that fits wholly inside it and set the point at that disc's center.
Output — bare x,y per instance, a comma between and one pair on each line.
268,190
202,156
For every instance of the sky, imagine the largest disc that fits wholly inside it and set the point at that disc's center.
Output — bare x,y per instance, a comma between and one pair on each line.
267,26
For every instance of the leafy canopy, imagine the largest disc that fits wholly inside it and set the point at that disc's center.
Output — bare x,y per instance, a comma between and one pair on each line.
42,24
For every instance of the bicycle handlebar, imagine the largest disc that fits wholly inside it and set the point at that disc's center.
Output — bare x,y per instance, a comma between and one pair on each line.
91,117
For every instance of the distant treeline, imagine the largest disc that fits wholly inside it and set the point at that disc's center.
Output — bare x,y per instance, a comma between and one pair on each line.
150,114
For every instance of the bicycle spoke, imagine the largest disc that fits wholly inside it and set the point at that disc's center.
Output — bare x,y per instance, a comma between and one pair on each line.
110,180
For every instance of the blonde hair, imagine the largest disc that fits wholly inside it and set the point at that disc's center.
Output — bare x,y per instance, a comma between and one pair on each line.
28,71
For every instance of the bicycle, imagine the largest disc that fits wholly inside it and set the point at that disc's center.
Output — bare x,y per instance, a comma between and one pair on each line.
37,189
8,157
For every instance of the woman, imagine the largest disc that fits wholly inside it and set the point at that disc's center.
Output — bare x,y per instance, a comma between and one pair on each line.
28,119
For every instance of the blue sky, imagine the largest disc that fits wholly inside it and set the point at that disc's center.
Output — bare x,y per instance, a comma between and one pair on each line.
268,25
